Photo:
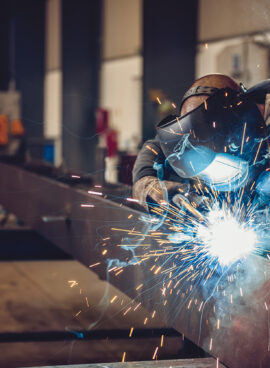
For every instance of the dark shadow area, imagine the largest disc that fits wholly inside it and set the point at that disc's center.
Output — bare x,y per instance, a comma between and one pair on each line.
27,245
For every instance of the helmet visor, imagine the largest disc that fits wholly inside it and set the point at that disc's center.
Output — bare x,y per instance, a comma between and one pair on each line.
224,124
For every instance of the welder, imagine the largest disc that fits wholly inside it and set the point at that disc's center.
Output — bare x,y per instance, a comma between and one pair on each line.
219,139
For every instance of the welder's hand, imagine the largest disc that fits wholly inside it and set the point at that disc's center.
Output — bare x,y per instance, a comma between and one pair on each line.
150,190
192,198
191,203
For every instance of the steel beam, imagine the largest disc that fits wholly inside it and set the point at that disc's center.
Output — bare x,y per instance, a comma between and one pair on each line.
179,363
228,318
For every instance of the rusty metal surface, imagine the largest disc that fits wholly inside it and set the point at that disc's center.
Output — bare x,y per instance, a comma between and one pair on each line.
181,363
230,320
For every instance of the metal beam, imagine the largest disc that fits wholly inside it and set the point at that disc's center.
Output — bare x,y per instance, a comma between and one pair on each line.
227,318
179,363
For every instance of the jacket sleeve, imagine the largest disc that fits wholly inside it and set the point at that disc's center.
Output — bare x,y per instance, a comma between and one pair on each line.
149,154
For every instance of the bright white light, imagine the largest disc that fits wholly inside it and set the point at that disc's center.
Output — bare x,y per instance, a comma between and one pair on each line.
225,171
225,238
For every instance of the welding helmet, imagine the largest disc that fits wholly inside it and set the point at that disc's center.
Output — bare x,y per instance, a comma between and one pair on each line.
222,142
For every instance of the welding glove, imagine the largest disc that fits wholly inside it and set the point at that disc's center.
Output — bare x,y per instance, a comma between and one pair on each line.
150,190
192,203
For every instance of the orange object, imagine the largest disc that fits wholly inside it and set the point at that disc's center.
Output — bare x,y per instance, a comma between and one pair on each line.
3,130
17,127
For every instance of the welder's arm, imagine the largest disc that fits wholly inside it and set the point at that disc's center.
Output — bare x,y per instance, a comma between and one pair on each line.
147,188
148,155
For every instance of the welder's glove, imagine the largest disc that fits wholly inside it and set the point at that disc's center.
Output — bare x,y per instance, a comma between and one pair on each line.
150,190
192,203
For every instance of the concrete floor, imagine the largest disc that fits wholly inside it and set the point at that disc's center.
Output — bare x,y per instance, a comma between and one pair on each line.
62,296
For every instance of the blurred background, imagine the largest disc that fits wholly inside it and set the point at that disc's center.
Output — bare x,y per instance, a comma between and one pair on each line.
82,85
90,79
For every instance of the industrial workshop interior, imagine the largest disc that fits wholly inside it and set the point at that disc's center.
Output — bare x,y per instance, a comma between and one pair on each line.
135,183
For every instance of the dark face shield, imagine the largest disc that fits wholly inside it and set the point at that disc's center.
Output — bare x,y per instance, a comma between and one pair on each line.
222,142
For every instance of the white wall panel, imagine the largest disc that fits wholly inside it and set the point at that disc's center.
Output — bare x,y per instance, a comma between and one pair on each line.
53,104
53,77
53,34
122,28
121,94
227,18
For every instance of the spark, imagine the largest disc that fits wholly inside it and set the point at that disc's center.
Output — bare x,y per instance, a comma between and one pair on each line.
126,311
123,357
94,264
179,124
259,147
161,340
137,306
243,138
87,205
73,283
132,200
252,185
118,273
111,269
113,299
131,332
155,353
151,149
93,192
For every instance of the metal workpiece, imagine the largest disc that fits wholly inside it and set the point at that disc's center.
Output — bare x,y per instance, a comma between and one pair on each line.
227,315
72,219
179,363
